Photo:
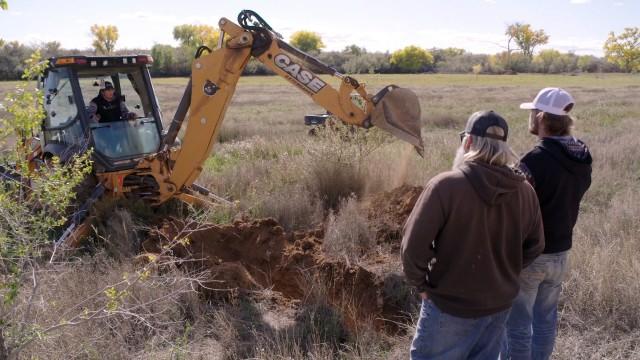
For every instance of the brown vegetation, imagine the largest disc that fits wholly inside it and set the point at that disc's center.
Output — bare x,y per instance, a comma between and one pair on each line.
284,289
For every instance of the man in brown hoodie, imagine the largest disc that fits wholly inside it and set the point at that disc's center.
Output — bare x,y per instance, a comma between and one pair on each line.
470,234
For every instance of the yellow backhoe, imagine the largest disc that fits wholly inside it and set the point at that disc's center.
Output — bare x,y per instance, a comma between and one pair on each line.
133,156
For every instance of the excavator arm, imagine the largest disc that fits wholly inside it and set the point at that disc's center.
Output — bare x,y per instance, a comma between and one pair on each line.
216,74
172,171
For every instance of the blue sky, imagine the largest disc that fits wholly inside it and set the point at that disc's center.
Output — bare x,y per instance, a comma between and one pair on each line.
476,25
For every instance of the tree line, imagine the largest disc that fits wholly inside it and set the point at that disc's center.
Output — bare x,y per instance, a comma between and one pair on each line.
622,54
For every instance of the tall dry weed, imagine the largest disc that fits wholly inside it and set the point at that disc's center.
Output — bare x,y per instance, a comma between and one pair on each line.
603,285
336,158
333,181
348,234
600,315
294,206
318,332
152,314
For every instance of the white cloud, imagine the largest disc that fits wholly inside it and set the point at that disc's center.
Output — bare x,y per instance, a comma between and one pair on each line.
146,16
618,3
170,20
475,42
38,38
579,46
490,1
577,2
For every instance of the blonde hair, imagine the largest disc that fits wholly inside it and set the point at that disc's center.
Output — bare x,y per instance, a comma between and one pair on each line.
491,151
556,125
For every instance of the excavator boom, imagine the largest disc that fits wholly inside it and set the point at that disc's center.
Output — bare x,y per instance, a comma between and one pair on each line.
215,75
171,171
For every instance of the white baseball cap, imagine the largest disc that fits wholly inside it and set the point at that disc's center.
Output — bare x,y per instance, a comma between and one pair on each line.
551,100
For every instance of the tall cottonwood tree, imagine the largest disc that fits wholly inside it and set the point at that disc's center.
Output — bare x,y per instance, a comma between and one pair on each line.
104,38
525,37
191,35
306,40
624,49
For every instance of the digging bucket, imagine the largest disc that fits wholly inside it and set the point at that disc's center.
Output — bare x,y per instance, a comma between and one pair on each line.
397,110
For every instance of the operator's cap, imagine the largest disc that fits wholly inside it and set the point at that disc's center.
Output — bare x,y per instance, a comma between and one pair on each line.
104,85
480,121
551,100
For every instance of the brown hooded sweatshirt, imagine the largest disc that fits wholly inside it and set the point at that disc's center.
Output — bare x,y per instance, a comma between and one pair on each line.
468,237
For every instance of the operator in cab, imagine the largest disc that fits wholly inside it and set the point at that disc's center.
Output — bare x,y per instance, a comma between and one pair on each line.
109,106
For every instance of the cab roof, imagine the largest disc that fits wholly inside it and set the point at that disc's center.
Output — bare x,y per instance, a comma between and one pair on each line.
89,62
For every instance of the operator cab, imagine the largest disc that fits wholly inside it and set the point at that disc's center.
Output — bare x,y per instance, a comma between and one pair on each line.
69,86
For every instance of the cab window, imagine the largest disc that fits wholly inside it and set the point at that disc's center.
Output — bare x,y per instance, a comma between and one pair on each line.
132,136
59,103
129,86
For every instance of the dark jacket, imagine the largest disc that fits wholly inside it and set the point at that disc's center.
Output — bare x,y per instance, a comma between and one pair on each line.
114,110
560,171
469,236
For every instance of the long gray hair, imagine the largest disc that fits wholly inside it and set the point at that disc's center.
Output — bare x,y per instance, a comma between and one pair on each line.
491,151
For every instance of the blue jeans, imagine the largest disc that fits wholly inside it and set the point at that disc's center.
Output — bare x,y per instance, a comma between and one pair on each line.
443,336
531,327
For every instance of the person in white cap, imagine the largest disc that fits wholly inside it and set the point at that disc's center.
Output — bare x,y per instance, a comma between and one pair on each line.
559,169
465,243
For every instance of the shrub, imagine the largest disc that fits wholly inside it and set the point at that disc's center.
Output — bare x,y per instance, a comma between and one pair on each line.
151,314
336,157
367,63
348,232
294,207
332,181
412,59
32,206
463,63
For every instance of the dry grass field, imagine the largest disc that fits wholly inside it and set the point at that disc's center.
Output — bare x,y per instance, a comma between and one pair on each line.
267,163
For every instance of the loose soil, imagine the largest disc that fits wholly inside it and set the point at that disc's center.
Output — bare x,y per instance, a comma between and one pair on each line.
388,211
253,255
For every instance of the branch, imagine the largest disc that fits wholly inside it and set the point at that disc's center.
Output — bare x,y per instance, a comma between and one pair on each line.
30,301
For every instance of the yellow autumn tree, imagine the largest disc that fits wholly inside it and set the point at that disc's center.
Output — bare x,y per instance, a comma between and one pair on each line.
624,49
191,35
306,41
412,59
104,38
525,37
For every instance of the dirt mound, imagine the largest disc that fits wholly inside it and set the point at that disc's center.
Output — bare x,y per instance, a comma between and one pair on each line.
241,255
388,211
258,254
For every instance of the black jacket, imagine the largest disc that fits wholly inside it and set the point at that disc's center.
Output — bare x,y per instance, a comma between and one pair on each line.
109,111
559,168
